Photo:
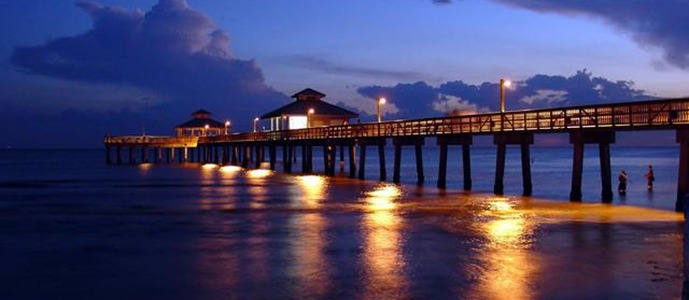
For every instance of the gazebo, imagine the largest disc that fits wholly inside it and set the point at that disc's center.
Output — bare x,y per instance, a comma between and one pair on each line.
309,110
201,125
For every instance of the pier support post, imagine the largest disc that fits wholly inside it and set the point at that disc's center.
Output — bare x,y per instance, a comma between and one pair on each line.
381,161
417,142
603,138
683,174
420,178
526,170
329,159
309,158
524,139
352,160
442,167
396,163
246,156
466,165
258,150
234,155
342,159
304,163
186,154
498,187
119,155
272,154
131,155
605,172
285,157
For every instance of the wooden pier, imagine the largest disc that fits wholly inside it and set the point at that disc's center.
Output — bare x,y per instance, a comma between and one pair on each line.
593,124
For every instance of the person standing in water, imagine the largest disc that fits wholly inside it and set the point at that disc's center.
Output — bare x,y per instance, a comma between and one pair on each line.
622,187
650,178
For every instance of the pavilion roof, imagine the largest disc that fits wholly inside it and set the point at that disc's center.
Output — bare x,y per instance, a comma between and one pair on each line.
201,123
301,107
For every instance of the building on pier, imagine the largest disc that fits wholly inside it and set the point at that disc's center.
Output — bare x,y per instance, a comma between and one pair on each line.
308,110
201,125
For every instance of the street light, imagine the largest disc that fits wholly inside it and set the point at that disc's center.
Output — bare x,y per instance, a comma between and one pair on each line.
227,125
308,117
205,130
503,83
380,102
255,123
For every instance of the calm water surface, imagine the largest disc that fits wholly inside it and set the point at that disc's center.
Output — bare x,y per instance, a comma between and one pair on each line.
74,228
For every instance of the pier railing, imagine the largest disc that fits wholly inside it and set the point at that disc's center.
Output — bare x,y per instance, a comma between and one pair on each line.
152,141
643,115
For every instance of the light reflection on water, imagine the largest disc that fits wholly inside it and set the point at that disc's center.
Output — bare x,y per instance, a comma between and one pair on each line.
508,267
223,231
310,267
383,258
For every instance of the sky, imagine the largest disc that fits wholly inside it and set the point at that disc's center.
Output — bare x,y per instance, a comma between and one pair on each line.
74,71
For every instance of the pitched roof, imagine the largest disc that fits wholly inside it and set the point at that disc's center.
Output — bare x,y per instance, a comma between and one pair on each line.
201,111
320,107
200,123
309,92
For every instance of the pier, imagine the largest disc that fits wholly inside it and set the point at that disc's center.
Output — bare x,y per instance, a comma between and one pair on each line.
592,124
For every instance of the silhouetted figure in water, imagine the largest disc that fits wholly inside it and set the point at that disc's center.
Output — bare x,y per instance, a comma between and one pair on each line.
650,178
622,187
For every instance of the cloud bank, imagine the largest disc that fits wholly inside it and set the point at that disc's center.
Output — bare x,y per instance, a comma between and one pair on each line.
420,99
173,50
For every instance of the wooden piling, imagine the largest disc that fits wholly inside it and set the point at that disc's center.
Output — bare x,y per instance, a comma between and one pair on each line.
396,163
498,187
420,178
381,161
442,167
352,160
272,155
526,170
466,165
683,174
603,138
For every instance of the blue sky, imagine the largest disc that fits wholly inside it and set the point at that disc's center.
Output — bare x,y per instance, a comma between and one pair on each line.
349,50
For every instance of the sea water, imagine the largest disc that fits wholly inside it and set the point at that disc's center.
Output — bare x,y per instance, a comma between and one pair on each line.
73,227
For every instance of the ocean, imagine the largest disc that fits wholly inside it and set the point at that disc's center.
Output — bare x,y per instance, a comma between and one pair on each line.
73,227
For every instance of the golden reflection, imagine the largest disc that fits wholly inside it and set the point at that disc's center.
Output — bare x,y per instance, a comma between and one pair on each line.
145,166
257,187
258,173
208,193
310,267
383,257
209,166
383,197
313,189
230,169
508,266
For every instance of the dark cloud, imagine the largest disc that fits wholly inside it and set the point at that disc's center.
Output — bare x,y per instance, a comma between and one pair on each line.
323,65
172,50
422,100
661,24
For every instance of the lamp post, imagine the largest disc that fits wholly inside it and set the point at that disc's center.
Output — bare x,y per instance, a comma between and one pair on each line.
380,102
308,117
255,123
227,126
205,130
503,83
